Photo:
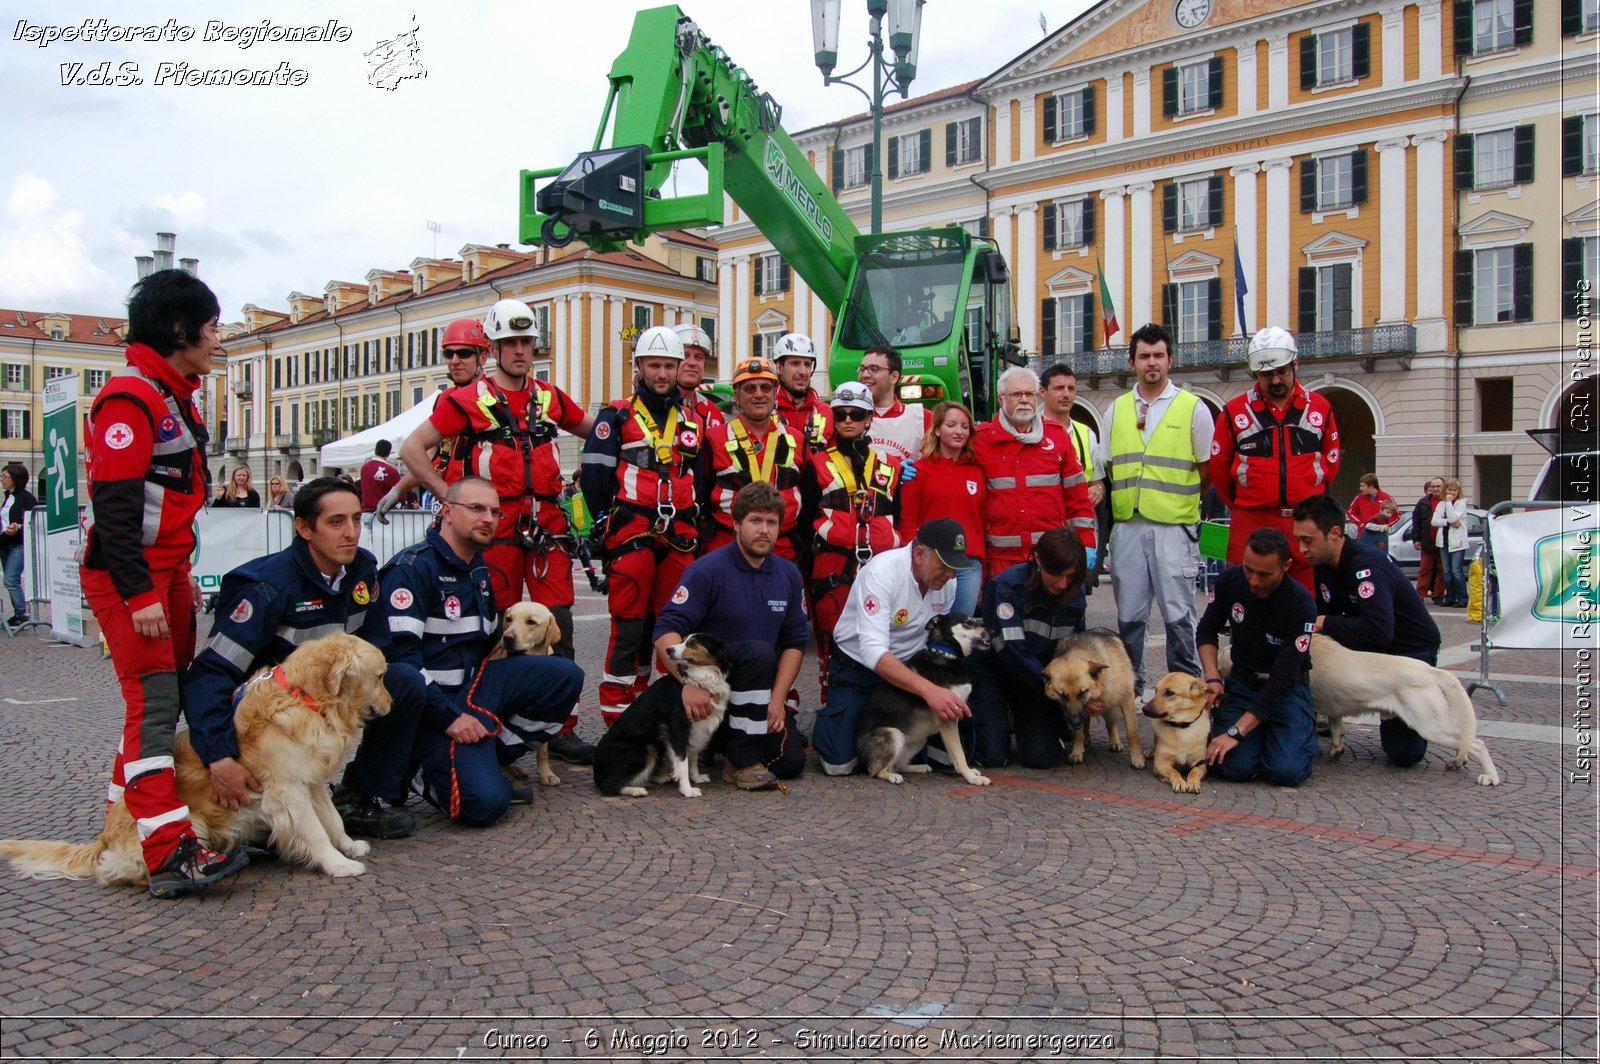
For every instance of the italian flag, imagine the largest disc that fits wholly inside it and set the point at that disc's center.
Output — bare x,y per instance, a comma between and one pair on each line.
1108,312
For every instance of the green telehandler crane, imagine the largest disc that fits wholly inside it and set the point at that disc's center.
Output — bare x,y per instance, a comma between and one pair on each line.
939,296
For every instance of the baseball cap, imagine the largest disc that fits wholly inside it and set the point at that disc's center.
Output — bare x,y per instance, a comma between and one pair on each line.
945,537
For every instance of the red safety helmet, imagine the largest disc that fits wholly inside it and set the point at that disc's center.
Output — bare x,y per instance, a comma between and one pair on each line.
465,332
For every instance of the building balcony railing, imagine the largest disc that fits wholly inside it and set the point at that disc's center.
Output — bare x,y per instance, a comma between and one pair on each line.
236,443
322,436
288,442
1398,342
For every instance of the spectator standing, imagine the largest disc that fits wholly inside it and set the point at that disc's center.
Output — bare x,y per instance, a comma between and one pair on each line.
1158,442
238,492
1032,473
949,484
1275,445
15,504
138,538
1430,566
378,476
1450,539
279,497
1366,513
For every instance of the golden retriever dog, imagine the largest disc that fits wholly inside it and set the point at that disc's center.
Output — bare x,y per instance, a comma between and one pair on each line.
295,724
1432,702
1183,727
1091,676
530,628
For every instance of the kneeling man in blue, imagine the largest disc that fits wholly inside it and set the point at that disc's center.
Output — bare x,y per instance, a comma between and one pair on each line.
1032,607
884,624
754,601
1262,723
322,583
437,616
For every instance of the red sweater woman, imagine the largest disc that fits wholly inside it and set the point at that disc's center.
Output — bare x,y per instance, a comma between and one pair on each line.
949,483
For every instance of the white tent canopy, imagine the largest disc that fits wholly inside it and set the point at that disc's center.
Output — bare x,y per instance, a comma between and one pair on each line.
352,451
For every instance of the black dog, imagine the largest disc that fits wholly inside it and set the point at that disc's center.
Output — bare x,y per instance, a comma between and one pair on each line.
894,726
654,740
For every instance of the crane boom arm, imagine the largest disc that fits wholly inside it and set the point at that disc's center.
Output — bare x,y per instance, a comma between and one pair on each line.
676,95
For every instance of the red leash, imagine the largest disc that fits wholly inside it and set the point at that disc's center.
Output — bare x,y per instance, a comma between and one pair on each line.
455,782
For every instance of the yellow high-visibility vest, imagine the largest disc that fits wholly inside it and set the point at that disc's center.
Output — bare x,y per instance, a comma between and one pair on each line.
1158,480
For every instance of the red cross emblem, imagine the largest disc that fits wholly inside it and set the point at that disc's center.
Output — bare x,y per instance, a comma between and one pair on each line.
118,436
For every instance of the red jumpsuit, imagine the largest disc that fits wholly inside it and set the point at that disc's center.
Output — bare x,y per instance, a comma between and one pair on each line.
851,505
147,480
643,471
1265,460
508,438
738,459
811,419
1032,488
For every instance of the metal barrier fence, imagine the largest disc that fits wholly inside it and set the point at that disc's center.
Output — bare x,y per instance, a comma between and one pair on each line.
226,539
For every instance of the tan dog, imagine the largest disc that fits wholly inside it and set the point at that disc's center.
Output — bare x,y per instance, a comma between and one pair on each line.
294,726
1183,727
1091,676
530,628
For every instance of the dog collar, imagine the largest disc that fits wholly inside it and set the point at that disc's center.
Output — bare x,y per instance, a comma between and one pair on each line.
939,649
282,680
1180,727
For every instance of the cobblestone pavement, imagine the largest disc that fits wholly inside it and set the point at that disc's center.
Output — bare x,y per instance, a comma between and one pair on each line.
1081,912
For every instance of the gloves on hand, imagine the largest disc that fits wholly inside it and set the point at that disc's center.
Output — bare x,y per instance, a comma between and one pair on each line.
908,470
385,504
1092,556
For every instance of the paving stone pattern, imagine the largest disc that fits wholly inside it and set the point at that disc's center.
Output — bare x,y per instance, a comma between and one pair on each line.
1083,912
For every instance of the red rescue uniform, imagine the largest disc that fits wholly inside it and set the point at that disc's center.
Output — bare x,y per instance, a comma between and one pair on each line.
642,466
810,418
147,480
1265,460
850,505
1032,488
508,438
737,459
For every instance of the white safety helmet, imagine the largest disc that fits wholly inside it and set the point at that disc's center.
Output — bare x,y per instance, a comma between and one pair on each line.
691,335
658,341
1271,348
509,317
794,345
852,395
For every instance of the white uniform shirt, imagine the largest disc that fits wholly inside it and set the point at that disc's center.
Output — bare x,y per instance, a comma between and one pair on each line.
1201,428
898,429
885,613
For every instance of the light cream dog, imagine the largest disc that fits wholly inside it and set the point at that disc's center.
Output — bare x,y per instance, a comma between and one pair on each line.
1432,702
1183,726
1091,676
294,725
530,628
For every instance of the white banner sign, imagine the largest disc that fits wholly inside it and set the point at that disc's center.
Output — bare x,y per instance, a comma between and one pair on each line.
1547,564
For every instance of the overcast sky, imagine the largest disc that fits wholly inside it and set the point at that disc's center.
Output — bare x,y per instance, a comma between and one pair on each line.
283,188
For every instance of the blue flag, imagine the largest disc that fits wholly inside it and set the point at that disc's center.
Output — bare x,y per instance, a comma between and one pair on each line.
1240,289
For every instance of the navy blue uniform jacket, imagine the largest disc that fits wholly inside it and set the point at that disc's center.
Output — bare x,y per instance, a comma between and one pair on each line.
1370,605
723,595
266,608
1271,636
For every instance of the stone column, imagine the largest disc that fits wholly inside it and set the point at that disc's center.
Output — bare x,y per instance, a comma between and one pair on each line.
1114,109
597,364
1393,230
1430,39
1141,102
1277,268
1026,266
1113,242
1142,255
1430,228
1278,71
1394,47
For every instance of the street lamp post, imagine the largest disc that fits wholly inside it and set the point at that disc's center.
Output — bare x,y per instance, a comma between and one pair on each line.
905,30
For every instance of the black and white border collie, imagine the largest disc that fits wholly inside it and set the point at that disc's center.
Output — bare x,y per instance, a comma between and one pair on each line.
653,740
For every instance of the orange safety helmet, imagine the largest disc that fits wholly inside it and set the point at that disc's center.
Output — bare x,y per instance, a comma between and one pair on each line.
755,369
465,332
